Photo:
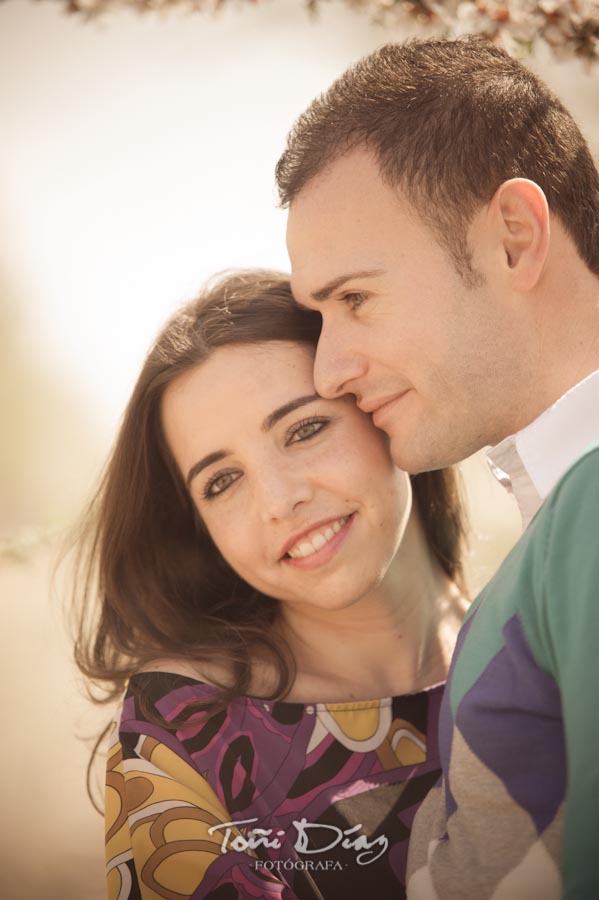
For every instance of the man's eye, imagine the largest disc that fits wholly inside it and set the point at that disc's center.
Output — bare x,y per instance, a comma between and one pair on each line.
305,430
354,299
219,483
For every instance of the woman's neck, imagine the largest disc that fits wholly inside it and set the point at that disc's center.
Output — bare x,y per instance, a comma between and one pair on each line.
397,639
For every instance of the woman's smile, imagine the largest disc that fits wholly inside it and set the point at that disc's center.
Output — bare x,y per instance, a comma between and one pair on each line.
286,483
317,546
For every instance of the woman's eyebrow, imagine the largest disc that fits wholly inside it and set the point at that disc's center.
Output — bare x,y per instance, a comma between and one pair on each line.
274,417
202,463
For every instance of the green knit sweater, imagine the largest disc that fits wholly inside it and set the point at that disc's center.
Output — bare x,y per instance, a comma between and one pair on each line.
517,814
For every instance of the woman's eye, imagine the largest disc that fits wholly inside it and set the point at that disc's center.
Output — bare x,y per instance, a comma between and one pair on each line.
354,299
303,431
220,483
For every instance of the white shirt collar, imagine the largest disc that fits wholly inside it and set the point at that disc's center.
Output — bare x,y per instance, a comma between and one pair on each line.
531,462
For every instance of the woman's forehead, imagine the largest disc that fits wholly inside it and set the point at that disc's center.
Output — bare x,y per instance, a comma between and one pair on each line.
268,367
237,385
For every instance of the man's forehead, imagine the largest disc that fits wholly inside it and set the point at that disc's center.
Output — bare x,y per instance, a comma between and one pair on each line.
328,233
314,272
301,286
337,185
318,211
316,258
345,220
343,202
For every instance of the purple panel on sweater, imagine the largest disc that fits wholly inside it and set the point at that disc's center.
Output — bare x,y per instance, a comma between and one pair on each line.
511,719
446,718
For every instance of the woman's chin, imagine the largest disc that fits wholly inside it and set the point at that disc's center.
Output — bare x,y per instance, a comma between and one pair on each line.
326,601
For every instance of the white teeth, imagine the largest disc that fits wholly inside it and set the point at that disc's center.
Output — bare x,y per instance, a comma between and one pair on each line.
317,540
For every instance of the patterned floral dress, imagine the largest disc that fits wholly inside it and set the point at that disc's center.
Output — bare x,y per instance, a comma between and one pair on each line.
277,800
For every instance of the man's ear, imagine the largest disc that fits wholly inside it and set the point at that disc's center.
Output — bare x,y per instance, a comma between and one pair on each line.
523,214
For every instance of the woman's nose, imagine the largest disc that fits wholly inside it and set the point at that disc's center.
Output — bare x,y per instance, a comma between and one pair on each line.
283,488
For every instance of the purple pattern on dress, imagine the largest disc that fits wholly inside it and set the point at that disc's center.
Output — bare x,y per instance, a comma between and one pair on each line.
232,869
254,757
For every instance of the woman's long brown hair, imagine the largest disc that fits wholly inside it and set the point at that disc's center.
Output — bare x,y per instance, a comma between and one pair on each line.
150,583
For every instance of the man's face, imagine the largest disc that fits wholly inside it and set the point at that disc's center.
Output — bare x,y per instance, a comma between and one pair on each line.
429,357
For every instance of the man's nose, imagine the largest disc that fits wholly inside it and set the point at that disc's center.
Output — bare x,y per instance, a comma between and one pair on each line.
337,364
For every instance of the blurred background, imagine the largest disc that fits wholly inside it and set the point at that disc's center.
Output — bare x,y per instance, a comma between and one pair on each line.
136,158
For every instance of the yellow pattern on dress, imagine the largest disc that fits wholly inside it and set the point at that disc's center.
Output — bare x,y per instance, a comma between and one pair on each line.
158,811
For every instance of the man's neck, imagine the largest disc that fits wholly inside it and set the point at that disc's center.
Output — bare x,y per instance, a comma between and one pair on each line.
566,347
567,328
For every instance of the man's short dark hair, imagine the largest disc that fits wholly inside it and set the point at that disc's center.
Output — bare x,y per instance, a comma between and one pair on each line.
449,121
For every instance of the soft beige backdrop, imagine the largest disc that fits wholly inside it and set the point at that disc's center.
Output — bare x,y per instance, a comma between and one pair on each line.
136,158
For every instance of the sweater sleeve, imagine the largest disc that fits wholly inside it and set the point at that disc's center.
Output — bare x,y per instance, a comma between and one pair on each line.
569,619
165,836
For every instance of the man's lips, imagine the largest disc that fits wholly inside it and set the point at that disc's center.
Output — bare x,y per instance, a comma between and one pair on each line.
320,525
373,406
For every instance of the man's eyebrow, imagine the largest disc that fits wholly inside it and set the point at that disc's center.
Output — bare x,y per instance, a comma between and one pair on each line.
280,413
331,286
202,463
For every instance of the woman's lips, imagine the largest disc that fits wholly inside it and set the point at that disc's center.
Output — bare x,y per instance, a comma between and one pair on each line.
324,553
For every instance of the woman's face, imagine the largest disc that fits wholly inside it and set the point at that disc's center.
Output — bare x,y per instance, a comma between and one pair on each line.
298,493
